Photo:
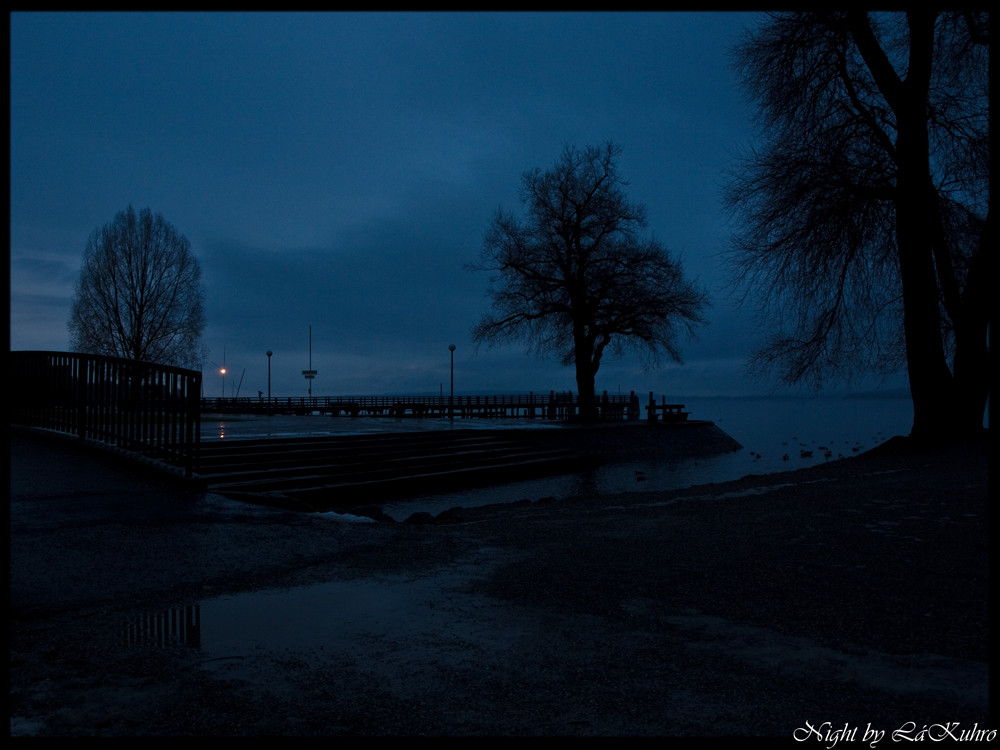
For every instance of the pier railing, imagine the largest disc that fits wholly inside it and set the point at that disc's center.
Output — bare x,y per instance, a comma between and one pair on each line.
549,406
140,407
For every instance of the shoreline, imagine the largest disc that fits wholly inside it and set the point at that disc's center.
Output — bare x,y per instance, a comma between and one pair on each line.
854,591
766,427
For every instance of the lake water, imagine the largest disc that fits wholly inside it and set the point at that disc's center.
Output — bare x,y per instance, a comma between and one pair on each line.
774,431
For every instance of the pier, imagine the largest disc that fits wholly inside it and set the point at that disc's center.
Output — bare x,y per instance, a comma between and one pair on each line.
559,406
152,413
555,406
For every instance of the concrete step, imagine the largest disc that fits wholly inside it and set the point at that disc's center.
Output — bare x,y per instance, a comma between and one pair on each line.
380,468
347,470
294,469
239,457
308,442
374,492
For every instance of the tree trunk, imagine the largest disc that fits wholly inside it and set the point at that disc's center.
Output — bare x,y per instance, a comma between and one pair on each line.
936,411
585,375
931,386
972,345
583,351
585,388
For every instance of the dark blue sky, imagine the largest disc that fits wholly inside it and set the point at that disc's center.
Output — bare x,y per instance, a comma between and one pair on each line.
339,170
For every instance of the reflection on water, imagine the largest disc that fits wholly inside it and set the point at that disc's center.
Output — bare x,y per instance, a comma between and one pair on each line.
307,617
334,616
255,426
171,627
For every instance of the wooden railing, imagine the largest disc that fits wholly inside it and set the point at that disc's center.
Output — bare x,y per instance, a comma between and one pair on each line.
140,407
551,406
665,412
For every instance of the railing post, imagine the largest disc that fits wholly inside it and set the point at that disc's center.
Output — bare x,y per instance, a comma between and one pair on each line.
81,397
193,431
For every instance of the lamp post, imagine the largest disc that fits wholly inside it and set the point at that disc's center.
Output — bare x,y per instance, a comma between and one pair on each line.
269,353
222,372
451,397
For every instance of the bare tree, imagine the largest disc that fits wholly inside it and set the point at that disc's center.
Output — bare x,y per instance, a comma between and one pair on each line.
140,294
575,277
865,212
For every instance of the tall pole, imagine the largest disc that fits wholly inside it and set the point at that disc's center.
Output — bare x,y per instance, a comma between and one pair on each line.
451,397
310,373
269,353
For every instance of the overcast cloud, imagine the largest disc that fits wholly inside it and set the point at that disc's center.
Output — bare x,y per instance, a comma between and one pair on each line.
339,170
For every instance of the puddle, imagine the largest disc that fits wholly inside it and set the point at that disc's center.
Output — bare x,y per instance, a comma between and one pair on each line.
334,617
171,627
397,633
330,615
342,615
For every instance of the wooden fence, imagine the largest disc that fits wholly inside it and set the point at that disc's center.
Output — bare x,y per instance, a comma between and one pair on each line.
140,407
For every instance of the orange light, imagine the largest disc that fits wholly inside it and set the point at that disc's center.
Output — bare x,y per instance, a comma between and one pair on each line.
223,370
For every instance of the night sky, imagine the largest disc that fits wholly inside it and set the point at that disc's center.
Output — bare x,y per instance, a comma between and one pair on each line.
339,171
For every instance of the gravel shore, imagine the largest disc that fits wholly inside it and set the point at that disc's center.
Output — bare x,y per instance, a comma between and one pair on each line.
854,593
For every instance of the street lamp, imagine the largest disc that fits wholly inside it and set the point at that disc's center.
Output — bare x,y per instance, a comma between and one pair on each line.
451,397
222,370
269,353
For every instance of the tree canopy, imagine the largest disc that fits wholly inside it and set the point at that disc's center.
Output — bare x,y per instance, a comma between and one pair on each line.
865,210
140,294
575,277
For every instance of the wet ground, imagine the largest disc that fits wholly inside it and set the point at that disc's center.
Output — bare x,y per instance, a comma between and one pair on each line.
853,592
